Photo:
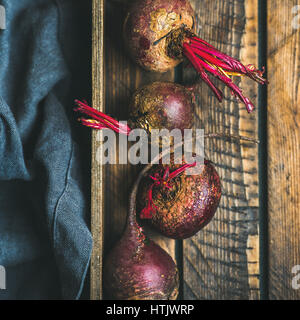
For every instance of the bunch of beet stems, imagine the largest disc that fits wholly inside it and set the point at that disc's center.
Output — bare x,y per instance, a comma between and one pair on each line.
205,57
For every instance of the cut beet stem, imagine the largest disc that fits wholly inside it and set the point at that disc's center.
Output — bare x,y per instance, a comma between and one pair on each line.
206,58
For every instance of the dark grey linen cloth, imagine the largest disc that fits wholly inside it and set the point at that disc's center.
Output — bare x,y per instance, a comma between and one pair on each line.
45,241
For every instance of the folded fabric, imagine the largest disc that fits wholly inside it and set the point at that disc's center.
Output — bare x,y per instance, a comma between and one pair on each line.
45,241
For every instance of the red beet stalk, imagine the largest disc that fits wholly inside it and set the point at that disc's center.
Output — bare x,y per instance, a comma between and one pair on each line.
99,120
206,58
164,182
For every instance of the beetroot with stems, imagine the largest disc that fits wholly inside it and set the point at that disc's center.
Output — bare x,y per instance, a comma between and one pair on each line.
137,268
160,105
179,205
160,33
160,111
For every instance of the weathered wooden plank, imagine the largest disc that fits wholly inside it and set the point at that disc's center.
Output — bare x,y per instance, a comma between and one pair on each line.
97,168
249,54
122,77
221,261
283,147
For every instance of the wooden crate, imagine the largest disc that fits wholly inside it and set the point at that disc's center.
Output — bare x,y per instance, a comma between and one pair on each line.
222,261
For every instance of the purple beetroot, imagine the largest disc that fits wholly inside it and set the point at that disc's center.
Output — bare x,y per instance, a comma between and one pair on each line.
177,204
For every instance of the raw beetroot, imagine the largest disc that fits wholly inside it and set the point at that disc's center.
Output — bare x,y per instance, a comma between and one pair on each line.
146,27
160,33
179,205
160,105
137,268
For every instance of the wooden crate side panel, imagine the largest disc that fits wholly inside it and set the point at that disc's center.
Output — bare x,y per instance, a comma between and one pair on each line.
97,170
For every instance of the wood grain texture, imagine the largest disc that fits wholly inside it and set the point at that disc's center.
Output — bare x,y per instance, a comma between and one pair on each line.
122,78
97,169
249,54
221,261
283,148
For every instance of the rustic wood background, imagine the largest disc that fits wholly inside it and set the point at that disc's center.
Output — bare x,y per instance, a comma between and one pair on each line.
283,147
223,260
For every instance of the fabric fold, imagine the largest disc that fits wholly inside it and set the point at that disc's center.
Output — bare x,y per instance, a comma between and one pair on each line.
44,213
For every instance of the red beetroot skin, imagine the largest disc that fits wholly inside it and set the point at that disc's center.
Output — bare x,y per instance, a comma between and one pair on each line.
146,26
162,105
186,208
138,269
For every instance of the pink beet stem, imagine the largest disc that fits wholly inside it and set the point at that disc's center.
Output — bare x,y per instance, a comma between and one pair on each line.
180,170
195,62
211,58
231,64
234,64
92,124
148,211
196,39
106,120
100,124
